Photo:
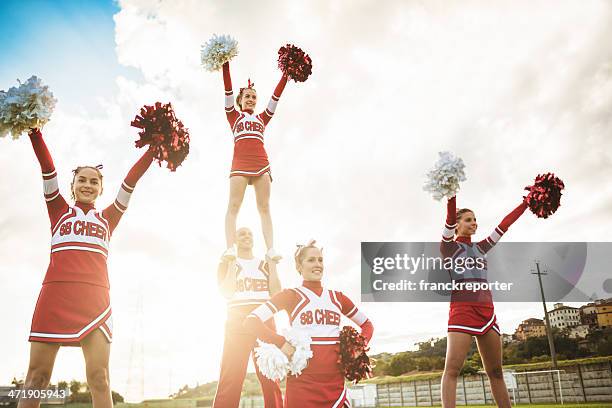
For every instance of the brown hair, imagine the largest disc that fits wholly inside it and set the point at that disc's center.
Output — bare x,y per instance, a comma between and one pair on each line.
251,86
300,251
78,169
460,213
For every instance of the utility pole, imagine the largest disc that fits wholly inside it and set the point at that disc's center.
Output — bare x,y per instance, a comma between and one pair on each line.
551,343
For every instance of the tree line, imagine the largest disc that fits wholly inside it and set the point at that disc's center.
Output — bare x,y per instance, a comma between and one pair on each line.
430,354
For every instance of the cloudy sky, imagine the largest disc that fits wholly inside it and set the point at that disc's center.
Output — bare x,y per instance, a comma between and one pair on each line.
514,88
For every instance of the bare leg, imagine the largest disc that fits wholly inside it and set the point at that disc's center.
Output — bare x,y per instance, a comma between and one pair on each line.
238,186
97,351
262,186
457,347
490,349
42,359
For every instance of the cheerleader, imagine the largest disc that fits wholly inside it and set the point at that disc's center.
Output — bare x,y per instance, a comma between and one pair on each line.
317,310
246,282
73,307
472,314
250,164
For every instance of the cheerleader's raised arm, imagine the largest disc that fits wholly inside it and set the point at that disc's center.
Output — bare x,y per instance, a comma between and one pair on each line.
113,212
449,247
230,109
490,241
56,204
267,114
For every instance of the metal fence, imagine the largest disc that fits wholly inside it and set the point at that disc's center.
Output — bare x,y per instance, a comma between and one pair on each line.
578,383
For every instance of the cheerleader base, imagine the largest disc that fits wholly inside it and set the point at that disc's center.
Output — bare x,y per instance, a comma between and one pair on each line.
316,391
66,312
237,348
472,319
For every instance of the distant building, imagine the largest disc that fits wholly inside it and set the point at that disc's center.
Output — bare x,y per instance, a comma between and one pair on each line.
507,338
578,332
563,317
604,313
530,328
588,315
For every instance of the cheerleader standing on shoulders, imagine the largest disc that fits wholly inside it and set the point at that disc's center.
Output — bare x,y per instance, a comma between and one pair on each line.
472,314
247,283
316,310
73,307
250,163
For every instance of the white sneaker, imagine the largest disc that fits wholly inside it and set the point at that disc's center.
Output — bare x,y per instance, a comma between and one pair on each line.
273,255
230,254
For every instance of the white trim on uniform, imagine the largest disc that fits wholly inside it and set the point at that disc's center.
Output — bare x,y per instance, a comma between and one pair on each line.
480,330
124,195
53,198
238,138
254,173
303,301
341,399
75,335
70,213
51,185
324,342
108,337
79,248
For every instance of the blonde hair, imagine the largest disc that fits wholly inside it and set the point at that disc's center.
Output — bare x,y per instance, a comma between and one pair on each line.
300,251
76,171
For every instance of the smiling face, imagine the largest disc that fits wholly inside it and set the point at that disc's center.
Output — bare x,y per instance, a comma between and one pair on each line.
86,185
244,238
247,99
311,264
466,223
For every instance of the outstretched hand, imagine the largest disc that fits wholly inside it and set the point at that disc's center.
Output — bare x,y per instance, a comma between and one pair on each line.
34,132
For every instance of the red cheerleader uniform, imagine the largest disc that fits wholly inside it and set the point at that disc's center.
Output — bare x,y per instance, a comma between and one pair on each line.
472,313
252,290
317,311
74,299
250,157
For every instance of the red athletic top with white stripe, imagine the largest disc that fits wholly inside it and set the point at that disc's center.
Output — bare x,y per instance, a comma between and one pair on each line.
316,310
250,157
463,247
80,234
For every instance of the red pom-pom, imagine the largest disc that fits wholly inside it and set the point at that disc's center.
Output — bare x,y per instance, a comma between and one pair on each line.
544,197
166,134
353,360
294,62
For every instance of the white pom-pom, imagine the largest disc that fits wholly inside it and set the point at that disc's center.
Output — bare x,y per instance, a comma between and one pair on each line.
443,180
217,51
271,361
301,341
24,107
